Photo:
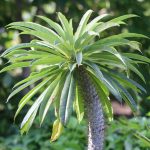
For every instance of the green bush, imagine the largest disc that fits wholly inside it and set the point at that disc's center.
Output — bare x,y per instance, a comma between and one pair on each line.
129,134
123,134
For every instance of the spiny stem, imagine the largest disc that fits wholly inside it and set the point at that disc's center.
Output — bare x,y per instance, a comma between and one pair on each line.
93,111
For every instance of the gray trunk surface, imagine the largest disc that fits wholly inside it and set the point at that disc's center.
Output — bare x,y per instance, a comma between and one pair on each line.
93,111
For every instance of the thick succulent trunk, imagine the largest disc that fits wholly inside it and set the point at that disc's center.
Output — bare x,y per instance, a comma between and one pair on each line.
93,112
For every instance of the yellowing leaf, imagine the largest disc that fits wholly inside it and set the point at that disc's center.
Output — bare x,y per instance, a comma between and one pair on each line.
57,130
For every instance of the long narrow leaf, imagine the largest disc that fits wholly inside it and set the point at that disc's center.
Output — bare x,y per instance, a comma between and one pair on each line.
29,95
70,99
63,98
83,23
79,103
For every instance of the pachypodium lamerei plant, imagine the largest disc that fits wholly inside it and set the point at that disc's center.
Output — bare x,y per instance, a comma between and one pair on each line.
78,71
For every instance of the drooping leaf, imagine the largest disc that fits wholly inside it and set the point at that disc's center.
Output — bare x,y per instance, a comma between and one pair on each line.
70,99
22,87
109,85
38,75
29,95
45,95
127,81
134,69
128,98
79,103
57,130
28,124
63,98
52,92
58,96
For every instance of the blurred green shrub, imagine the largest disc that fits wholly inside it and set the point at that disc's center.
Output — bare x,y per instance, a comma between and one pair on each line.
124,134
129,134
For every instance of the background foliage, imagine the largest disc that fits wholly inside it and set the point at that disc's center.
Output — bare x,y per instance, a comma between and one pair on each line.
118,136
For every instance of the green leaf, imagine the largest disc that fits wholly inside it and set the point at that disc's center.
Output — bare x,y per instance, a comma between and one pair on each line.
129,100
49,60
137,57
46,47
106,60
134,45
116,40
30,81
113,51
39,75
128,35
109,85
82,24
63,99
79,103
52,92
20,88
103,26
54,25
21,28
143,138
112,42
67,28
28,124
92,24
29,56
85,39
49,34
104,87
16,65
104,43
57,47
16,53
57,100
124,17
127,81
29,95
45,95
23,45
70,99
72,67
57,130
134,69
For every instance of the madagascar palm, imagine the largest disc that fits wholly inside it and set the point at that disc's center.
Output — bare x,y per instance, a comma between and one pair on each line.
78,71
